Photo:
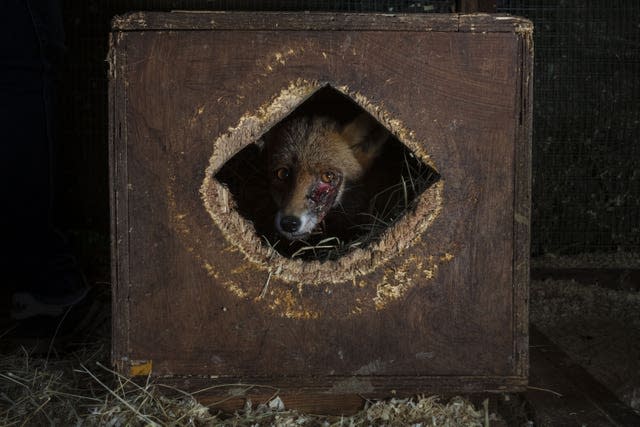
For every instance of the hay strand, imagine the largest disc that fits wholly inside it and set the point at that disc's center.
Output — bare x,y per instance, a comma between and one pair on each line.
53,391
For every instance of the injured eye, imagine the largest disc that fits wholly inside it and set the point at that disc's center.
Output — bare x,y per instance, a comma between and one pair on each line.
338,213
282,174
328,177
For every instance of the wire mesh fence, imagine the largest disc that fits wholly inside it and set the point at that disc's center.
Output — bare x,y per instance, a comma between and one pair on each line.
586,155
586,188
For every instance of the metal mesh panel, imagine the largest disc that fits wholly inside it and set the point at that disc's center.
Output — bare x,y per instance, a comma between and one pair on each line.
335,5
586,155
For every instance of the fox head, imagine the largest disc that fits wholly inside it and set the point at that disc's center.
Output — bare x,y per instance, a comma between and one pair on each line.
310,159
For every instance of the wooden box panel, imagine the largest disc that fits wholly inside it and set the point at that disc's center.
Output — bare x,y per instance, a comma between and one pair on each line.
440,304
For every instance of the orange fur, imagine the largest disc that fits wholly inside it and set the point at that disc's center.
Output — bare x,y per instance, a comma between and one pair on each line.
308,148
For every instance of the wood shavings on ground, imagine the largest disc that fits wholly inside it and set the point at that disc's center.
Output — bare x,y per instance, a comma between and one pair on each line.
81,390
418,412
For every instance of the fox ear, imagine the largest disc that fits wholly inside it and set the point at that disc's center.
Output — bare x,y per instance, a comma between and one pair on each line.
365,137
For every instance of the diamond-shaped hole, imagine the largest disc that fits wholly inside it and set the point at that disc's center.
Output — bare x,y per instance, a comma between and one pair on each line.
387,190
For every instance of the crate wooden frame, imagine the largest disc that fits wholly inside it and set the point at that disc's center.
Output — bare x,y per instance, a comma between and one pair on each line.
163,237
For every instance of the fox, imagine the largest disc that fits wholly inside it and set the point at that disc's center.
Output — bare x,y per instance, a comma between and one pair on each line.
312,162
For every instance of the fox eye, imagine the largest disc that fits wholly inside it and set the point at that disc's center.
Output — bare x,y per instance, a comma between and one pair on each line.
282,174
328,177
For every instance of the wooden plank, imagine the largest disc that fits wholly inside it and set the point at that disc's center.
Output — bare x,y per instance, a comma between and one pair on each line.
522,201
379,386
323,404
314,21
314,396
190,304
118,197
152,113
562,393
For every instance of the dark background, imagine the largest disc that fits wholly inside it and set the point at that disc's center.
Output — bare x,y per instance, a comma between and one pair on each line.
586,148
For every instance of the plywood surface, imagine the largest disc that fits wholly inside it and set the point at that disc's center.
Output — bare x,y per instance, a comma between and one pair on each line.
190,301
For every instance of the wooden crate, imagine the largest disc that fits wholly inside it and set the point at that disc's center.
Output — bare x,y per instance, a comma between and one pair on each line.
438,305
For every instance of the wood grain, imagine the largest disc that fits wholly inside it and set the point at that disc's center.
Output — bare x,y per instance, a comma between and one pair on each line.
187,298
315,21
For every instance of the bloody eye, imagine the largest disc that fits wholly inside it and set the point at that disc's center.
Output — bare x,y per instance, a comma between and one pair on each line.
282,173
328,177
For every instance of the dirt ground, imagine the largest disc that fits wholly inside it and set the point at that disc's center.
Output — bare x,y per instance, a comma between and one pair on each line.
598,328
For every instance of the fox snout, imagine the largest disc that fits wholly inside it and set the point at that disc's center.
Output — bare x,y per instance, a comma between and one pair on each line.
304,202
310,160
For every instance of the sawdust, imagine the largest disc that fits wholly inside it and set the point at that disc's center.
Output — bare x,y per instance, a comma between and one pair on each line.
286,302
240,232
